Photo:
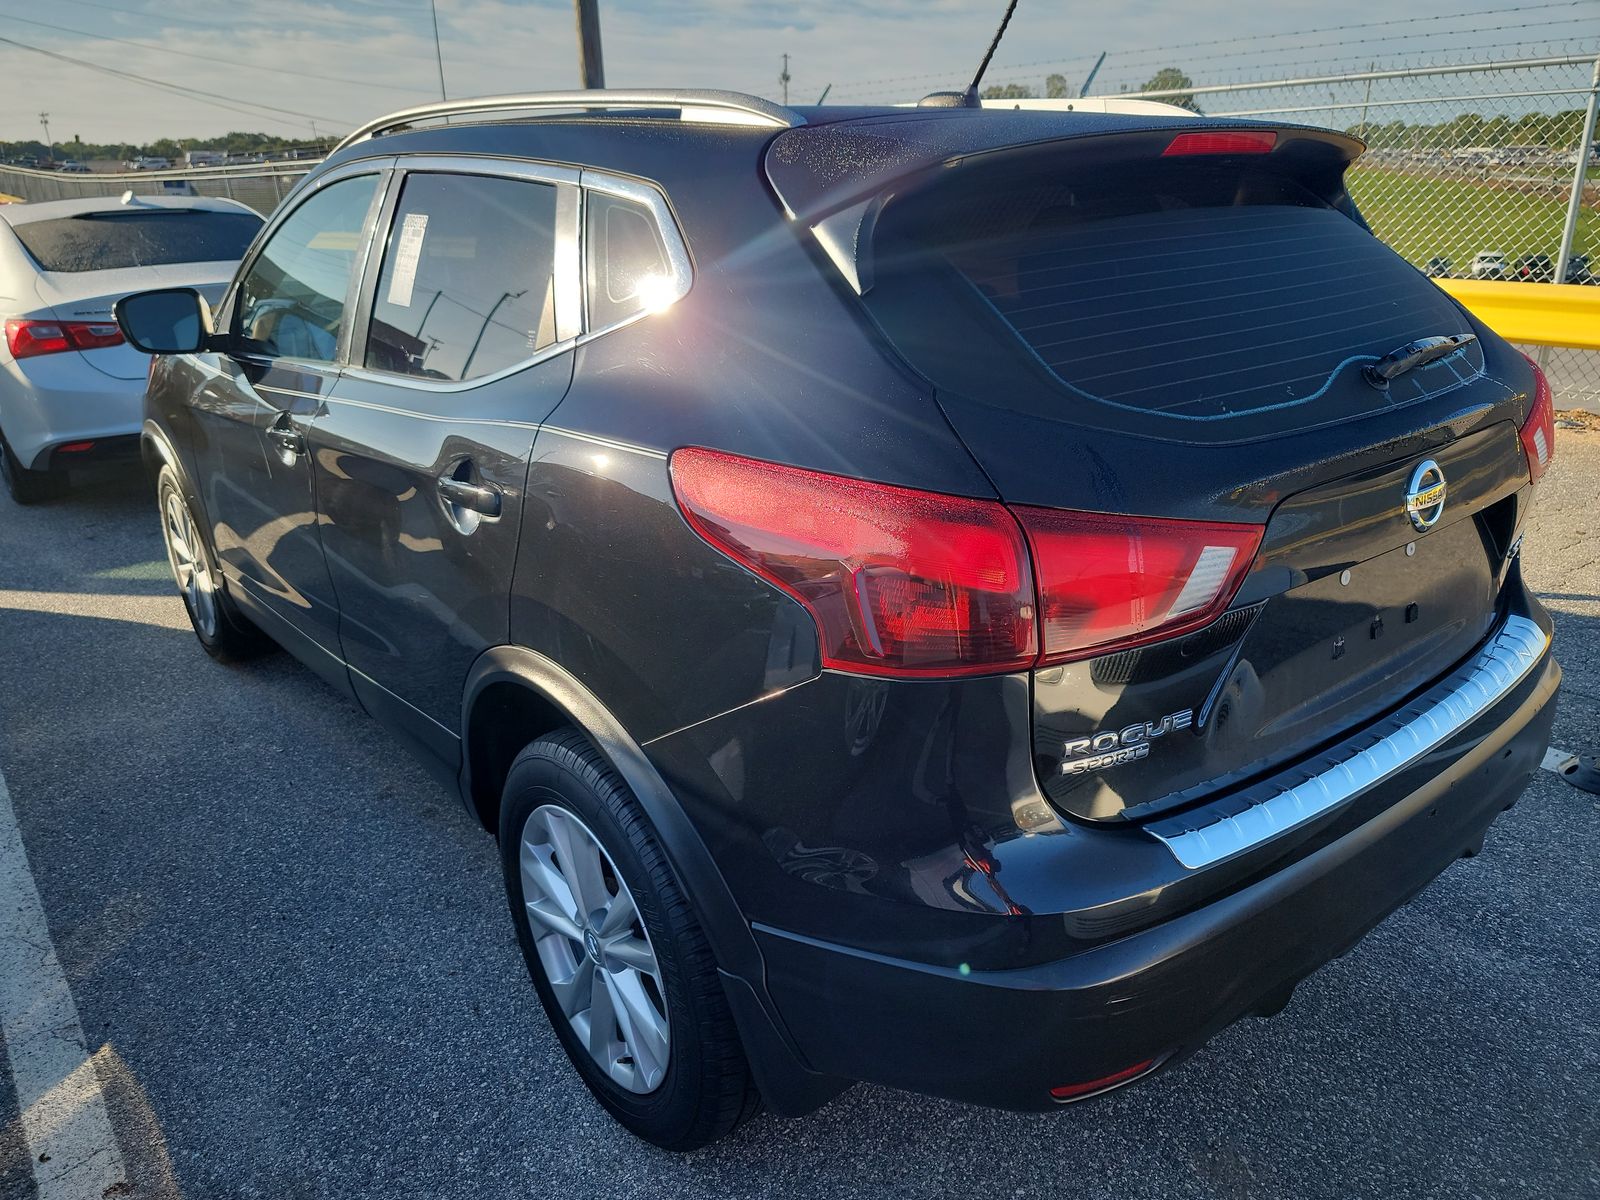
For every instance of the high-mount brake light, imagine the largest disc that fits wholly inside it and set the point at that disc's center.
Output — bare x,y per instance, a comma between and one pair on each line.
900,582
27,338
1109,582
920,584
1539,430
1222,141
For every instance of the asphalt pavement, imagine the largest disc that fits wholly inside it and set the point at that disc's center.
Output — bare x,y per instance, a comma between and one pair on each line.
295,976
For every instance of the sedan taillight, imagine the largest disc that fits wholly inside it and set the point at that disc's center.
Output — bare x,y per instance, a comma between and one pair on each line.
27,338
919,584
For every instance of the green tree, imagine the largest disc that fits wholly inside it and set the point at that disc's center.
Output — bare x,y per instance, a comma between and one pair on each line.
1171,79
1055,87
1009,91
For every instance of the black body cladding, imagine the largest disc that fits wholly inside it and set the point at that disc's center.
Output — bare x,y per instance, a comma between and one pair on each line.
884,866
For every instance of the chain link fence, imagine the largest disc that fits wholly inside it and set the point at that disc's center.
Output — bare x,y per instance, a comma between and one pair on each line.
260,186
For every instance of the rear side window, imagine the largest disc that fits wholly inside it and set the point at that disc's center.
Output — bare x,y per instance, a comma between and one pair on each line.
628,271
151,237
1171,294
467,287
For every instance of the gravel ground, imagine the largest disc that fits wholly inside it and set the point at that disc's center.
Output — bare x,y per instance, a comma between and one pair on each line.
293,965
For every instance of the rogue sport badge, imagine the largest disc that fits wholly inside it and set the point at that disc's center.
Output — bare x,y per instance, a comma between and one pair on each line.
1425,495
1113,747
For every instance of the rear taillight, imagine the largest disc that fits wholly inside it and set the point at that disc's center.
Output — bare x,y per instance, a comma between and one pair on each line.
919,584
29,339
1109,582
900,582
1539,430
1222,141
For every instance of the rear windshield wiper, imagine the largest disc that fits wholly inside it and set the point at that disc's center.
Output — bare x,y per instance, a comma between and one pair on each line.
1413,355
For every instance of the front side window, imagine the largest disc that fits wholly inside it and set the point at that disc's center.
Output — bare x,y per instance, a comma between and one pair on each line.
468,283
292,302
628,271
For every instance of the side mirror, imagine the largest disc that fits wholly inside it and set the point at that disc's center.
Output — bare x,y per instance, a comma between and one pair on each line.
168,321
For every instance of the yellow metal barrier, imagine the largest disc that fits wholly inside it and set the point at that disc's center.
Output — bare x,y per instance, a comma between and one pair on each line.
1537,314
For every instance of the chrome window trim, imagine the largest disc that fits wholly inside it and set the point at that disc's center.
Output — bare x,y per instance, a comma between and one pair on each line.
650,198
1443,711
566,262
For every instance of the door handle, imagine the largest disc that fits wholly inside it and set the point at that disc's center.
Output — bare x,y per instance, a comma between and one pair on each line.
480,498
287,439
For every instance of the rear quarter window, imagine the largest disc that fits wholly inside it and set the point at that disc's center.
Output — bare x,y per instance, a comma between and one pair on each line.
104,241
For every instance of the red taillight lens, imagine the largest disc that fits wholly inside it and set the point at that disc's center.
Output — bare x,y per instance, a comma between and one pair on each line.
900,582
1539,430
1108,582
911,583
29,338
1222,141
1077,1091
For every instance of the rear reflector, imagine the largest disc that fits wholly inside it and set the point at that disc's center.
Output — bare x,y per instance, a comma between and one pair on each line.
74,447
1222,141
924,585
900,582
1077,1091
1108,582
1539,430
29,339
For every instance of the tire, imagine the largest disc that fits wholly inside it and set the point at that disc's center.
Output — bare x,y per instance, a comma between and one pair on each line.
26,486
224,631
561,787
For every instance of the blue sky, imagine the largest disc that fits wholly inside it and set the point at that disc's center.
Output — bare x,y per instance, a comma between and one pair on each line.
356,58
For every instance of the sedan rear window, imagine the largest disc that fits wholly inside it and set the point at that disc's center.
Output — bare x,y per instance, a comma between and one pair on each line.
106,241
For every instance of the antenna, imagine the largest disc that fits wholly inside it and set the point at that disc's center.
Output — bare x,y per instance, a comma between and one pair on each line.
972,88
969,98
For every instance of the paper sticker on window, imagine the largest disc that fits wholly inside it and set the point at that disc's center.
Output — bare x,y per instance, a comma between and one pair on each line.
407,254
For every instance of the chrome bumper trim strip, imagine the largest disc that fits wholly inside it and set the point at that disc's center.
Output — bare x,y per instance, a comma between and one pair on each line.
1458,701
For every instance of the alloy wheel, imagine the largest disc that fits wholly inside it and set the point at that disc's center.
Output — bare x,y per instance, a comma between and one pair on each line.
189,565
594,948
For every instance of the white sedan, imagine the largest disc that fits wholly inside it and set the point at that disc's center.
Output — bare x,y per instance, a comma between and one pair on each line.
70,387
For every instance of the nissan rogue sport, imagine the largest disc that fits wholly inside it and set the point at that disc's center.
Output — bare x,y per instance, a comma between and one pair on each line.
972,600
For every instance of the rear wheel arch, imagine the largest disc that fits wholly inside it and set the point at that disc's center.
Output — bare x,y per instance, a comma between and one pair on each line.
511,682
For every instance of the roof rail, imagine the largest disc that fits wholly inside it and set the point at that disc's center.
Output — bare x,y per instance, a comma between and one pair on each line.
734,108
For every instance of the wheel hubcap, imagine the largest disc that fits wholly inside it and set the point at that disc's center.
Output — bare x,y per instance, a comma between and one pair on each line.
594,949
189,566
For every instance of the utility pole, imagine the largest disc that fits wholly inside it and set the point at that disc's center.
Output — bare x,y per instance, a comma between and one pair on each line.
438,54
50,146
783,79
591,64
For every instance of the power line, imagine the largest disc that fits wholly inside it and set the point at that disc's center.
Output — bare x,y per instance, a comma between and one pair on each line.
175,88
211,58
1136,52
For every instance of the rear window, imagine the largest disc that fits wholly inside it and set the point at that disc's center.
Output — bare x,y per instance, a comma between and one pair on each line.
105,241
1160,296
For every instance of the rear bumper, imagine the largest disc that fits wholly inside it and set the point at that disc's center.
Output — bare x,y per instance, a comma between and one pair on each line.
60,400
1006,1037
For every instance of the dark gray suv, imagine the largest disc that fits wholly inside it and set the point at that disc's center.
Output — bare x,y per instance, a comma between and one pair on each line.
970,600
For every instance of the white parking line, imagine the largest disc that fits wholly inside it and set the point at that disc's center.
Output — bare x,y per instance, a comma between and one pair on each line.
74,1152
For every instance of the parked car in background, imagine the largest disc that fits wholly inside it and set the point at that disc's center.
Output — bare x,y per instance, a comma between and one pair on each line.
1488,264
73,168
891,639
70,387
1534,268
1579,270
1437,268
147,164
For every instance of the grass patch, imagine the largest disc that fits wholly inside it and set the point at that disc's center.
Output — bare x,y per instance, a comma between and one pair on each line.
1422,217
